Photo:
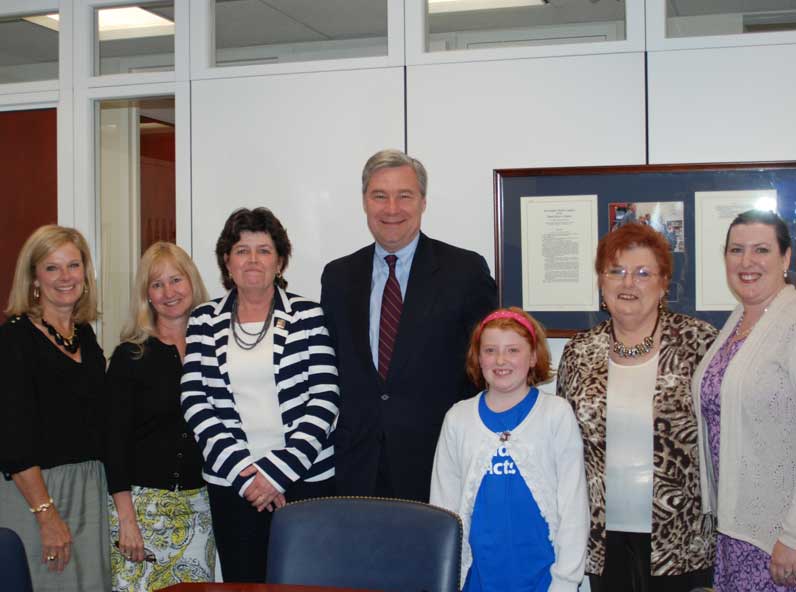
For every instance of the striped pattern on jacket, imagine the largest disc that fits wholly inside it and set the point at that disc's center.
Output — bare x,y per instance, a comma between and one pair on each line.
306,382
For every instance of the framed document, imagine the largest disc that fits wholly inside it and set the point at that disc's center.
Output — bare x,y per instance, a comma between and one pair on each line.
559,236
548,222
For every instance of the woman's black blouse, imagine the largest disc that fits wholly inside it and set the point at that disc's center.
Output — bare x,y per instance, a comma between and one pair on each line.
52,409
149,443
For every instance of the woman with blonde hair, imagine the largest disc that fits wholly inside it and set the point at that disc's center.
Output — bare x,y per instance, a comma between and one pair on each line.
160,515
51,428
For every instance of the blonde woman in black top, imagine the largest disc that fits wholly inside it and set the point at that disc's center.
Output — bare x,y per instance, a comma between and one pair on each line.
160,515
52,416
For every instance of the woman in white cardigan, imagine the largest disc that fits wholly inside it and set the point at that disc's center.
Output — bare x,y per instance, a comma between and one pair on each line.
745,398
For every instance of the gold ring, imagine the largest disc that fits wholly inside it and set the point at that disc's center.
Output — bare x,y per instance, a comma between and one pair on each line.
52,557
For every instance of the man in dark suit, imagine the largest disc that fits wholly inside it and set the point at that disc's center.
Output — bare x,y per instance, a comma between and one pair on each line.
401,327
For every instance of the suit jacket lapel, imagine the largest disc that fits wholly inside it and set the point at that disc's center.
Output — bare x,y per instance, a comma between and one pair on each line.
222,331
420,295
359,307
281,322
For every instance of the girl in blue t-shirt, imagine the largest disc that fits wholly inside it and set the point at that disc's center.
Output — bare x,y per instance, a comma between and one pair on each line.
509,461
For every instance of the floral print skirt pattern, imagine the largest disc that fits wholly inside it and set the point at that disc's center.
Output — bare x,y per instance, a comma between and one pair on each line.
742,567
177,530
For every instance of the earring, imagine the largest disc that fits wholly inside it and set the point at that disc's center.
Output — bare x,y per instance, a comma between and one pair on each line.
36,293
85,288
785,275
603,305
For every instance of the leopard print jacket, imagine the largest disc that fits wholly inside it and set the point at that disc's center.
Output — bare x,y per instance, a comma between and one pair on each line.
682,538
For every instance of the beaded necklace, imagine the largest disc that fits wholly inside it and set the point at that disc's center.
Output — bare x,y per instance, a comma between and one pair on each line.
634,351
239,331
70,344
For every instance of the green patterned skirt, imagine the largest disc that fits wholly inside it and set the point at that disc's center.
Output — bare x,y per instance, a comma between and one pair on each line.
177,531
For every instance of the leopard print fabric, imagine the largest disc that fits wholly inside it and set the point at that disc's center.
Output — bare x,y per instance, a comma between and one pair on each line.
682,538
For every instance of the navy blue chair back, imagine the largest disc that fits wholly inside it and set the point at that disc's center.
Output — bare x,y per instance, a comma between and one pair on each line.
379,544
14,571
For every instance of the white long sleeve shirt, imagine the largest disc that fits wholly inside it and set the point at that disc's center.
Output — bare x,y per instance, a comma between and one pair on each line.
548,451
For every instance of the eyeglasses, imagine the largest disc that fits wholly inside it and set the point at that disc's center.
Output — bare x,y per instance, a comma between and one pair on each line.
149,556
640,275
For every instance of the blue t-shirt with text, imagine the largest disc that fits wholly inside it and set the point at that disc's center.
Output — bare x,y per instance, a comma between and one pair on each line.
509,537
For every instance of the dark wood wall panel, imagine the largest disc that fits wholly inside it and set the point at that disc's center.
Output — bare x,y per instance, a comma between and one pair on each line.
29,194
158,185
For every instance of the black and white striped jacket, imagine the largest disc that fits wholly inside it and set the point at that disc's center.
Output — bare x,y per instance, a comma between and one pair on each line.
306,382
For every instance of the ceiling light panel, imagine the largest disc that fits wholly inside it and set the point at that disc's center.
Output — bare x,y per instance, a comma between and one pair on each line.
441,6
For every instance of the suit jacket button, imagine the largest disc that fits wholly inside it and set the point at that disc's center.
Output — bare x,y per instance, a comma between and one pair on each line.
385,397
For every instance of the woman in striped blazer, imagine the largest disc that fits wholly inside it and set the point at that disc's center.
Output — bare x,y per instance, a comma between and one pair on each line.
259,391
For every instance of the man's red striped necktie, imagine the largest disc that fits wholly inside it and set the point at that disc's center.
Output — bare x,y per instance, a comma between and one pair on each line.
391,307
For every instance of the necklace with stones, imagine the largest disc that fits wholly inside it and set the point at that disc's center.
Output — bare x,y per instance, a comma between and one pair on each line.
249,340
70,344
634,351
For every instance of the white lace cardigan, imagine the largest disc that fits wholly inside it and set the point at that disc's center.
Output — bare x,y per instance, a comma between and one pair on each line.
754,500
548,451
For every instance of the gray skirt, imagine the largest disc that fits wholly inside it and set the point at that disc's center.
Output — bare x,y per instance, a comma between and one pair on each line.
79,492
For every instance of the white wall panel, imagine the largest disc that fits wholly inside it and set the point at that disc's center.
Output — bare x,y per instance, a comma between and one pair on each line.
465,120
722,105
296,144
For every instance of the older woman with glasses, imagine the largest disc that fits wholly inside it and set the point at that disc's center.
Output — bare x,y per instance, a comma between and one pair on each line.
628,380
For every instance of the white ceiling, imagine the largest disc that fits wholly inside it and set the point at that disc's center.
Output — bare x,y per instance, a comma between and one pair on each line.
692,8
556,12
242,23
255,22
24,43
